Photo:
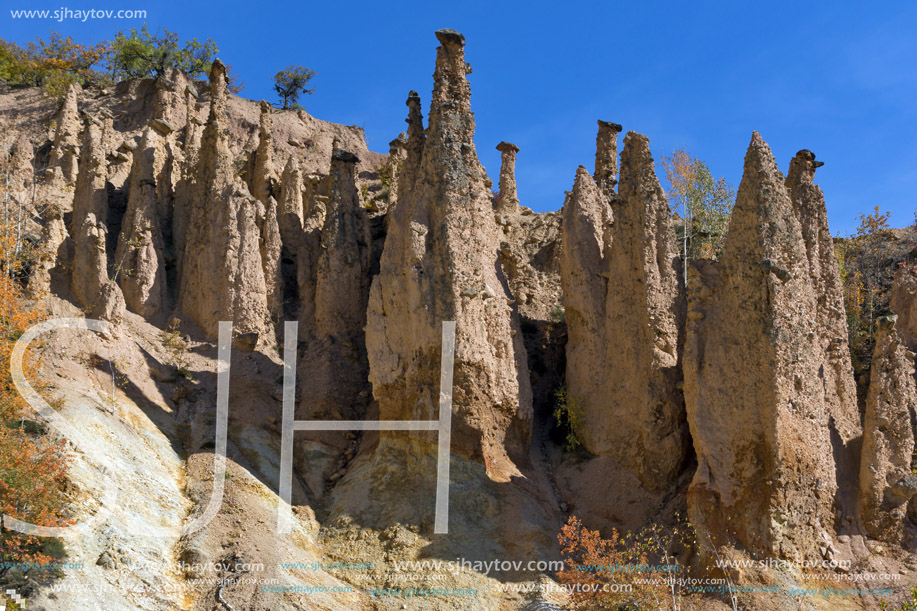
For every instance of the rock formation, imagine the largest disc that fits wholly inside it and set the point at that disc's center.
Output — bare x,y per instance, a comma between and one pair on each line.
621,305
334,367
140,266
440,264
290,225
756,399
642,424
586,236
262,176
888,485
63,165
307,247
830,315
397,154
606,156
262,187
55,246
904,304
222,277
89,220
507,199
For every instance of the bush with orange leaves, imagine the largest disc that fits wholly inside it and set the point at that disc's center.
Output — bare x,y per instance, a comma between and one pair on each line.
33,466
631,571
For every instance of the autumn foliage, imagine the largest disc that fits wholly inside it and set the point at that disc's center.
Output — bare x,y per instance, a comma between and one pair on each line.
56,63
866,264
32,465
630,571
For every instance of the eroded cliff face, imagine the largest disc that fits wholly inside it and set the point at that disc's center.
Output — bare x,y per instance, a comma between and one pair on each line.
140,265
888,485
222,274
830,316
760,413
334,366
440,263
63,166
621,295
587,220
904,304
195,219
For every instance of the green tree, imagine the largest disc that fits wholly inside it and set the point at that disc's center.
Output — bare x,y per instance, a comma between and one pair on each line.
52,64
290,83
139,54
705,203
866,264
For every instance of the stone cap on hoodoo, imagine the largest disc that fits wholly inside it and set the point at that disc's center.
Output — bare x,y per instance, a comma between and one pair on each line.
448,36
345,156
616,127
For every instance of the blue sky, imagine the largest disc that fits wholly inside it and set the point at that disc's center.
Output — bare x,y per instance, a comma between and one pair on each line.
837,78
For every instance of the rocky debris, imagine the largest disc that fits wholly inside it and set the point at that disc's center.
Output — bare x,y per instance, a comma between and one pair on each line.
163,127
606,156
507,199
63,165
831,317
335,358
756,400
443,243
109,305
887,483
904,304
140,266
222,277
247,342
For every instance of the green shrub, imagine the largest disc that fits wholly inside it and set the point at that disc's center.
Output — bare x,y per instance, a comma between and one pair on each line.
568,413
